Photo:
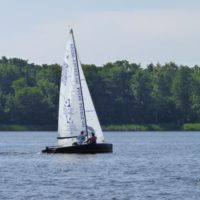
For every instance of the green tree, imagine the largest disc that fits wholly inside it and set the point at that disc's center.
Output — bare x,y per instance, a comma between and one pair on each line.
164,109
181,89
195,97
141,86
30,106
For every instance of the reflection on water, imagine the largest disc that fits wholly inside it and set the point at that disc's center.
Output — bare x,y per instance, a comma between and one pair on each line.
143,166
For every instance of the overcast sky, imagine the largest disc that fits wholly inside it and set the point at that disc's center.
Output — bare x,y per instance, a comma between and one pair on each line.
140,31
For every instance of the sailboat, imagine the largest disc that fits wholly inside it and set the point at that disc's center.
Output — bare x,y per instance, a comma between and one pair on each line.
76,109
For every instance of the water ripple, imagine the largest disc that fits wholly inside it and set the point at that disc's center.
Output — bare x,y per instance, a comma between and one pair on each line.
144,166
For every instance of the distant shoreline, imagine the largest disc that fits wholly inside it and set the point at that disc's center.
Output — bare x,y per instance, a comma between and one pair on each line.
121,127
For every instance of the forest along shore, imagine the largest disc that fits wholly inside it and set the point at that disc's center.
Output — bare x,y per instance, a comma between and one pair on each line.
127,96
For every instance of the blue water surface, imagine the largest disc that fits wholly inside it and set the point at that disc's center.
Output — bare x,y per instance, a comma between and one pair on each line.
143,166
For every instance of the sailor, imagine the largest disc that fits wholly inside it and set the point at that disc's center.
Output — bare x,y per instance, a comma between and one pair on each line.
92,139
80,138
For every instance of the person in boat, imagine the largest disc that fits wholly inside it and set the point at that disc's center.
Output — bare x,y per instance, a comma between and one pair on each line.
80,138
92,139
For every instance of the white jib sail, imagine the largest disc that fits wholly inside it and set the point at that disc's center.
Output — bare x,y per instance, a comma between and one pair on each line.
71,120
91,116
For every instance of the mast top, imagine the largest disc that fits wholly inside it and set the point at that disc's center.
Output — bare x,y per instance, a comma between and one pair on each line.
70,29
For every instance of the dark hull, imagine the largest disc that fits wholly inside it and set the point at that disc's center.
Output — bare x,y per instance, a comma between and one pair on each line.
86,148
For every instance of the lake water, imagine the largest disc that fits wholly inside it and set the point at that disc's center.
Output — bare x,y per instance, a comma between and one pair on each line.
143,166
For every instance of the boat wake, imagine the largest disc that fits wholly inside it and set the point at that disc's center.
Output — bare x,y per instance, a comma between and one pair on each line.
15,153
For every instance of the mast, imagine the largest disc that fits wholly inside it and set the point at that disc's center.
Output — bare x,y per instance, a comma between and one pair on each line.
79,81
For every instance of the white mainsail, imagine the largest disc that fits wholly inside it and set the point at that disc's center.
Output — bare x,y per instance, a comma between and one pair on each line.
71,120
76,109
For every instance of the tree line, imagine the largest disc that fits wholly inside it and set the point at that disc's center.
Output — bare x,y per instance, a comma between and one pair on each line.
123,92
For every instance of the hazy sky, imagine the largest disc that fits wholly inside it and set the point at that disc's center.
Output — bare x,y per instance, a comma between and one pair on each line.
141,31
